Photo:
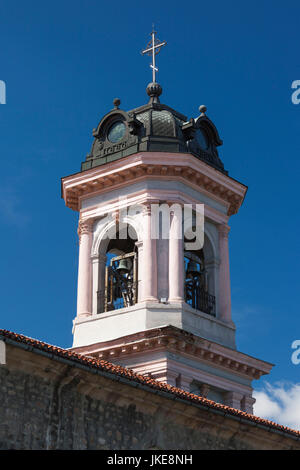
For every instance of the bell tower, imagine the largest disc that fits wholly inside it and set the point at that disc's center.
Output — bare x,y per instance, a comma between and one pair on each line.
154,203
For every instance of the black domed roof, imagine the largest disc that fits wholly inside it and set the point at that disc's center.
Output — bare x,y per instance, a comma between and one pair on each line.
160,122
153,127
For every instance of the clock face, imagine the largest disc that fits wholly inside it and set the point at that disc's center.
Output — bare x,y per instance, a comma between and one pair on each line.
202,139
116,132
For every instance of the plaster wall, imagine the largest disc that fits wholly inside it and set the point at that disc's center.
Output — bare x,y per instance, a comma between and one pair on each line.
144,316
152,184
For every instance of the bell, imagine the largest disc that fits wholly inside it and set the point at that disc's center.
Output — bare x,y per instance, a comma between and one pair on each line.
192,269
124,266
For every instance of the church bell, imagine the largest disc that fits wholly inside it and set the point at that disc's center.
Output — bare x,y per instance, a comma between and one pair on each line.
124,266
192,269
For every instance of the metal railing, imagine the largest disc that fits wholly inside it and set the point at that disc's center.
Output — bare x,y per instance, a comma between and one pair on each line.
200,299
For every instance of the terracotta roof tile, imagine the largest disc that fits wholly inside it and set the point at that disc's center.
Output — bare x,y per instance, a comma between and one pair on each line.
154,384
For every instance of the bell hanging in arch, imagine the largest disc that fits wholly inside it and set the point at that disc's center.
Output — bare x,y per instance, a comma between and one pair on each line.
124,266
192,269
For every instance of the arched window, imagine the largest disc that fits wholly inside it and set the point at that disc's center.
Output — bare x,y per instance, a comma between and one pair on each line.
119,285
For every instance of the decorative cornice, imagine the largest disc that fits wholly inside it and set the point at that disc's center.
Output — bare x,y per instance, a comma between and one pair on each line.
185,168
178,341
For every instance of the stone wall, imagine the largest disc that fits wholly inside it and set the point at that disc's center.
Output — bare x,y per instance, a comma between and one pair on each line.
46,403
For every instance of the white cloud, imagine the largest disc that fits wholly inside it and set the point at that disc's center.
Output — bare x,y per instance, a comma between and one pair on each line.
280,403
11,207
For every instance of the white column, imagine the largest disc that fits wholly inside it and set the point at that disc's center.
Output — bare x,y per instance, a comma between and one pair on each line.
139,246
84,291
162,268
224,275
98,274
176,258
149,260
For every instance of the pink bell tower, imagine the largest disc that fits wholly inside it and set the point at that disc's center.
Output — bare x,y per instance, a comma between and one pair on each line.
147,299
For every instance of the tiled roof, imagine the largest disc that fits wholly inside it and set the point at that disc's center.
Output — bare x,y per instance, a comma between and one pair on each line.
141,379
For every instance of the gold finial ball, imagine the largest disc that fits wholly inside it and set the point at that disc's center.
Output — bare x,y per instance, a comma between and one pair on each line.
202,109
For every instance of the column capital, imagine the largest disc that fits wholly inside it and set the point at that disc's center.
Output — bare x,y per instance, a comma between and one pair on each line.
223,230
85,226
147,206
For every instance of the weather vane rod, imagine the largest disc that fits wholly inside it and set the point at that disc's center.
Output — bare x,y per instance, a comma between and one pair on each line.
153,48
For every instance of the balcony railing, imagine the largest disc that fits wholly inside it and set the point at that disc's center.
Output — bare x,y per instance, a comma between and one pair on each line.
200,299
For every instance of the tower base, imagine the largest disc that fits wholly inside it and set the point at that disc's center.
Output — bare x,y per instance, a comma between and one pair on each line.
187,361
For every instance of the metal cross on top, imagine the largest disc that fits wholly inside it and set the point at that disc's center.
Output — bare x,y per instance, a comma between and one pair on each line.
153,48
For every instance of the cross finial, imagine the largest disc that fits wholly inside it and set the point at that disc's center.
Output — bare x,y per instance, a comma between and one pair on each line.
153,48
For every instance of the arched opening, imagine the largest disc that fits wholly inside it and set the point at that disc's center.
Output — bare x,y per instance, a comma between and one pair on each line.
199,279
118,286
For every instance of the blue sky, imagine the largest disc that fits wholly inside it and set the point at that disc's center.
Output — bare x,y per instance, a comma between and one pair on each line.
63,64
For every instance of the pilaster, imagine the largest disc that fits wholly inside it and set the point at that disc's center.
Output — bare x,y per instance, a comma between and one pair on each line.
233,399
247,404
